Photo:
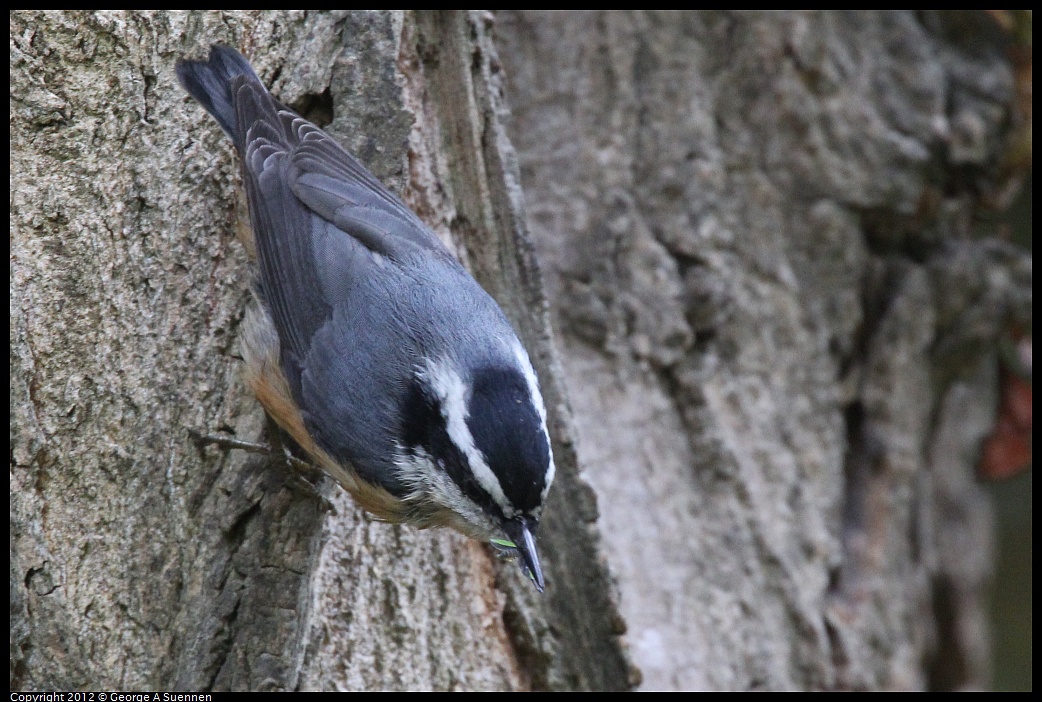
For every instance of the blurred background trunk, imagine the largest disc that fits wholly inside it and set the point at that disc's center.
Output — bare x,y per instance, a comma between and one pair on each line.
778,306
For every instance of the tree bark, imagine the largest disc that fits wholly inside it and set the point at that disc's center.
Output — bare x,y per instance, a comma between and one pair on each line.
778,326
140,561
776,334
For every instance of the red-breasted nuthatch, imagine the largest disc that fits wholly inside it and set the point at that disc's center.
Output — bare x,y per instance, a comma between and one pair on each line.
370,345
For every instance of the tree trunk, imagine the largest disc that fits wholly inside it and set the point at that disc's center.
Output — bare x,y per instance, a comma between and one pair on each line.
775,327
777,338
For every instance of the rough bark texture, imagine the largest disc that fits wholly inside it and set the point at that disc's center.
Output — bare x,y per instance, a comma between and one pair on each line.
141,561
776,335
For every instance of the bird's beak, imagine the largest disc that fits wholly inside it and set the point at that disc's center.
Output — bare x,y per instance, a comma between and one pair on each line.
518,532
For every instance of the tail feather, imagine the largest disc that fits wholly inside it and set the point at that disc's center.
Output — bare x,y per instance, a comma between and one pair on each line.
210,82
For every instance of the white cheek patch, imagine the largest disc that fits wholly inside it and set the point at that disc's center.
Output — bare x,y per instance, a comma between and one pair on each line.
533,388
452,395
428,482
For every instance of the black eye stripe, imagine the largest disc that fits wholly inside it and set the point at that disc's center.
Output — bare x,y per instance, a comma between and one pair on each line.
424,427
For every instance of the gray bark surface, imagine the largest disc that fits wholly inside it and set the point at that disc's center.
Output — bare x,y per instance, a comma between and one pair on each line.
776,338
777,333
138,560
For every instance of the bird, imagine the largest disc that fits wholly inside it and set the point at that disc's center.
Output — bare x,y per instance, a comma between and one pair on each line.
368,343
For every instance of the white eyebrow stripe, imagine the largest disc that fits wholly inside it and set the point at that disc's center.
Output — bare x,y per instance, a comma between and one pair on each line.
530,379
452,393
533,388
